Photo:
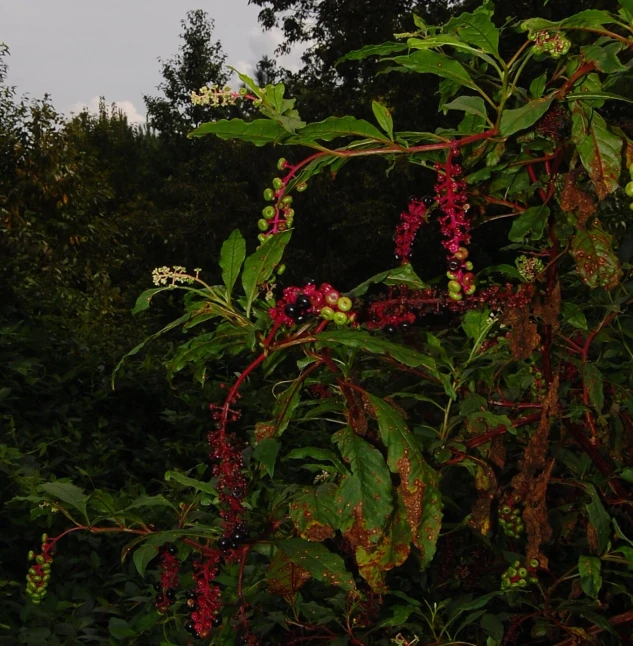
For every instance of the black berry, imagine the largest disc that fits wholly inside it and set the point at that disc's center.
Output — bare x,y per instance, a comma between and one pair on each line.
224,544
217,621
391,329
309,281
405,326
171,594
237,537
158,587
190,627
290,310
427,200
454,265
302,302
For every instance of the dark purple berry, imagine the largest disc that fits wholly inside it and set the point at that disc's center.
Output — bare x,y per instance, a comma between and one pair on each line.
427,200
391,329
217,621
302,318
454,265
234,544
303,302
243,530
190,627
224,544
158,586
191,594
309,281
160,599
404,326
171,594
290,310
172,549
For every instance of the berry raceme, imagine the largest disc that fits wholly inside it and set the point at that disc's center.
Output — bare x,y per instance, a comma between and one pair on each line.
555,44
410,222
510,519
455,226
39,573
167,587
299,305
519,576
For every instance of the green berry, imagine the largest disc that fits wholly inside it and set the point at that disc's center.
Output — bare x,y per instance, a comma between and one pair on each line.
268,212
277,183
470,290
262,225
534,563
522,572
456,296
451,275
289,213
454,286
281,164
287,199
269,195
344,304
44,538
468,265
340,318
257,102
281,269
506,509
262,238
533,579
512,572
327,313
40,559
522,583
31,555
301,187
628,189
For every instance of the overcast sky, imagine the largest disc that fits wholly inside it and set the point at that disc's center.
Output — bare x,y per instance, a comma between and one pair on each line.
78,50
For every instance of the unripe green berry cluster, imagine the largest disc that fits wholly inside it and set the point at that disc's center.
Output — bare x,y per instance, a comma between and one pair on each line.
461,279
39,573
556,45
280,215
529,267
510,519
520,576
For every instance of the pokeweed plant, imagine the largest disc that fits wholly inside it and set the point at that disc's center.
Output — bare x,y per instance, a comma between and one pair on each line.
411,462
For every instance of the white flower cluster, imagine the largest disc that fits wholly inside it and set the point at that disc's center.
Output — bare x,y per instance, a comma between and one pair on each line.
173,275
215,96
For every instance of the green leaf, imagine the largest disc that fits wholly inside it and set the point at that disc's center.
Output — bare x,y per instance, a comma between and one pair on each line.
574,315
373,50
599,518
587,96
419,482
604,57
285,405
493,626
266,452
183,319
383,117
68,493
364,497
427,62
375,345
599,149
120,629
527,115
316,453
232,256
186,481
259,132
150,501
258,267
590,578
537,86
477,29
475,323
593,380
334,127
403,275
143,555
143,301
596,262
316,559
469,104
530,224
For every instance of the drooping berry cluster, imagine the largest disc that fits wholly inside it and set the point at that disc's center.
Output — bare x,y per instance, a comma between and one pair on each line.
39,573
510,519
555,44
278,216
298,304
455,226
519,576
203,603
399,307
410,222
167,587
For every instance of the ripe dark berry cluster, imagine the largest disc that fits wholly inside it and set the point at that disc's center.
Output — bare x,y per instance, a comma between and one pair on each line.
299,304
410,222
203,603
455,226
39,573
167,587
519,576
510,516
235,538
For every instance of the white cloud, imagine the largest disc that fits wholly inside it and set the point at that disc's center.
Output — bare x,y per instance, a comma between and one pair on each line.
127,107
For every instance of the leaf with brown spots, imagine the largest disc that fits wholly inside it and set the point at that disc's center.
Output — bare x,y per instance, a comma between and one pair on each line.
536,516
314,513
316,559
285,406
392,551
364,498
573,199
549,308
284,577
524,338
596,262
418,481
599,149
486,485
